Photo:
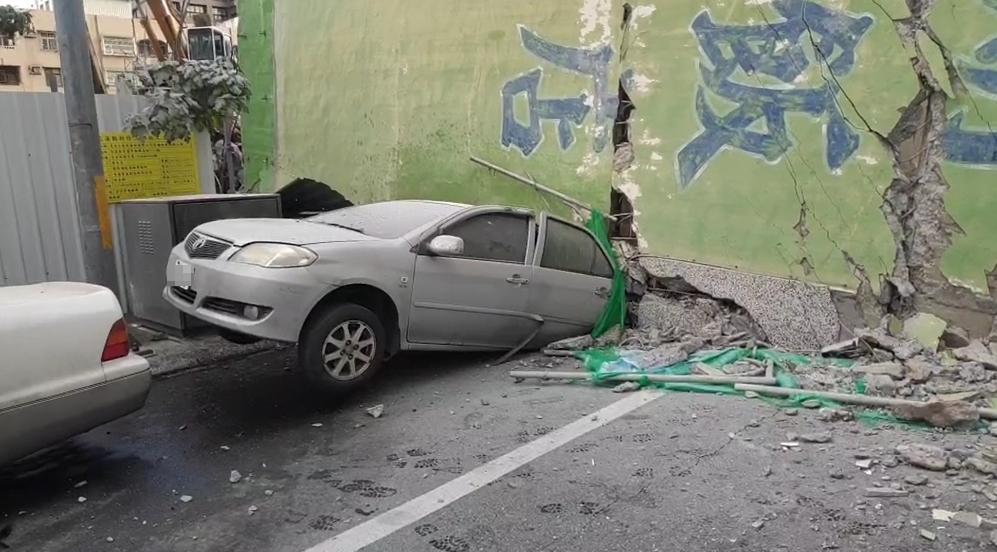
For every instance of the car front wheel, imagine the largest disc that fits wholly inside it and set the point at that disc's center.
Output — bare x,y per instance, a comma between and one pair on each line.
342,348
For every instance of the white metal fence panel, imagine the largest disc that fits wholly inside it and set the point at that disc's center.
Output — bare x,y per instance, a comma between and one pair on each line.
39,225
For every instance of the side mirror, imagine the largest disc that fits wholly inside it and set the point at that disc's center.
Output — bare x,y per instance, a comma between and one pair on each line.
446,246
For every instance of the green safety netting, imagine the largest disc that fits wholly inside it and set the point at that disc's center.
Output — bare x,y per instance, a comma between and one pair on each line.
603,364
616,308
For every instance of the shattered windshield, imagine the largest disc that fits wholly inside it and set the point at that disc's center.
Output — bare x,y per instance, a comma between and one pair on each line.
387,220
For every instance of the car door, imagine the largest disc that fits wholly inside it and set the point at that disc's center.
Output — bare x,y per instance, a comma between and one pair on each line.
572,277
478,298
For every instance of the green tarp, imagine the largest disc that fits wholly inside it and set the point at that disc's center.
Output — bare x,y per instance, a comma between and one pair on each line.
616,308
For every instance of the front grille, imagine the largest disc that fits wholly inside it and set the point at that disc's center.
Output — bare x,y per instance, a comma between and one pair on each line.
185,294
203,247
224,305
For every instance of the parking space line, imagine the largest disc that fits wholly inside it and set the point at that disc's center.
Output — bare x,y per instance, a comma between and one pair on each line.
387,523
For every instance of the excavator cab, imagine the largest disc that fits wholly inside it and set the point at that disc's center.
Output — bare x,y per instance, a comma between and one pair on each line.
208,43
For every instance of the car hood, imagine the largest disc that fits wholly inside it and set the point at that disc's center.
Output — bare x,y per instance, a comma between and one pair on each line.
12,296
296,232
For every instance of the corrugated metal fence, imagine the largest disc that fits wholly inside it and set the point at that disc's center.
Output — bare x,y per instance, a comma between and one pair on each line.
39,226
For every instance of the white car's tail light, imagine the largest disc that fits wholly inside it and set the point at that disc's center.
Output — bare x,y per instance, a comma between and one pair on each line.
116,345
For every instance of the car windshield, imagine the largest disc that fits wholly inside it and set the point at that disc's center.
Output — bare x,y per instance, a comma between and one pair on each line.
387,220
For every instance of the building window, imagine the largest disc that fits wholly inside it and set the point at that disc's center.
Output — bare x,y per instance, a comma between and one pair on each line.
7,42
118,46
145,48
221,14
53,73
48,42
10,75
197,9
111,77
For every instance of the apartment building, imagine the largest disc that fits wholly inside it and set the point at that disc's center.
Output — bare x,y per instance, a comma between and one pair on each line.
30,63
216,10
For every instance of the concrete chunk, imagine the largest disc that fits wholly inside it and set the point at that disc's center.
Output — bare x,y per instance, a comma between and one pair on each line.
924,456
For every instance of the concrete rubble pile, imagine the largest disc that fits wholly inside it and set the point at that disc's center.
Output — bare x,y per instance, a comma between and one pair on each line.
925,370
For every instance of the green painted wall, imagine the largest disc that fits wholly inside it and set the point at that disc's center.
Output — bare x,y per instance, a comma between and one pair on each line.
743,209
388,100
256,58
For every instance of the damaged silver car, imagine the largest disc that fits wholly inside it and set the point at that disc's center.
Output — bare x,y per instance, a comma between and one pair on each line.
356,285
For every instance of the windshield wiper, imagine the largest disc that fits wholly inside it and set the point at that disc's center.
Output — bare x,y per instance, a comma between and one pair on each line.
343,227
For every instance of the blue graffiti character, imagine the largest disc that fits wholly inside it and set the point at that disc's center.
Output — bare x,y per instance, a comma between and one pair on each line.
977,146
568,112
772,52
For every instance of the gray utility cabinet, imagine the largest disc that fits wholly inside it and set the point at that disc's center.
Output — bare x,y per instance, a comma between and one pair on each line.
148,231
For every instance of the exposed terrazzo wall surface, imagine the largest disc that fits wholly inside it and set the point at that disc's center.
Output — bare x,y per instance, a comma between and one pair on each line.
795,315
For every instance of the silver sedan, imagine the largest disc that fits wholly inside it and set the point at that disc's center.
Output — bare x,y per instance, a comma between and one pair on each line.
354,286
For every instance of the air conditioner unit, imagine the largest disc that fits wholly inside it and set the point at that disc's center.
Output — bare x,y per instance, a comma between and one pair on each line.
150,228
35,69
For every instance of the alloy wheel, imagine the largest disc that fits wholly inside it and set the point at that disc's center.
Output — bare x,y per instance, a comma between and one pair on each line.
349,350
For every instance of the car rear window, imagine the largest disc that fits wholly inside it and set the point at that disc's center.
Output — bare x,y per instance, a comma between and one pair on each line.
388,220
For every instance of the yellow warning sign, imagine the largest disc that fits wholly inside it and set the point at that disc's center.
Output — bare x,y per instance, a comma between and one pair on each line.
140,169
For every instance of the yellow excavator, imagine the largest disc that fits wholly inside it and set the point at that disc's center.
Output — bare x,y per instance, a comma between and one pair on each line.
199,42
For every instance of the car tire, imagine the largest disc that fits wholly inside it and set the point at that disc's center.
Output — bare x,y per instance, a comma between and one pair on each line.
236,337
342,348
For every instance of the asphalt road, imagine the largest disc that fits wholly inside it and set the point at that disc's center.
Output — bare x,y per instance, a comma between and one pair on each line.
683,472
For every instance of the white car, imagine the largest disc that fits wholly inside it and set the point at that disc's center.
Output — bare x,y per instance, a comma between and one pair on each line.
66,364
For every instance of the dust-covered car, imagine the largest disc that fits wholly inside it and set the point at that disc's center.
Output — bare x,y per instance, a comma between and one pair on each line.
67,365
353,286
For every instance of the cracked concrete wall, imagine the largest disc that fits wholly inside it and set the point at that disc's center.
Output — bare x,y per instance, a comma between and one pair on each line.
842,143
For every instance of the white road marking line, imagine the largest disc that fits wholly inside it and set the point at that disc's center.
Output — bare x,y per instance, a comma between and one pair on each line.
371,531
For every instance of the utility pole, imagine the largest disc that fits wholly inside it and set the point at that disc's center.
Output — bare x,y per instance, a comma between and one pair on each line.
84,138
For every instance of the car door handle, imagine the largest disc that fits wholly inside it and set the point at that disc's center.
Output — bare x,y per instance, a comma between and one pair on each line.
517,279
602,292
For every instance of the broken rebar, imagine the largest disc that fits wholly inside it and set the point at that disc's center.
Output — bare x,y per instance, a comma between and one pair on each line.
845,398
658,378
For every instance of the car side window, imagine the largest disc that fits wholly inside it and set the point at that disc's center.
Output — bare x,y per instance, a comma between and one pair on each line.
501,237
571,249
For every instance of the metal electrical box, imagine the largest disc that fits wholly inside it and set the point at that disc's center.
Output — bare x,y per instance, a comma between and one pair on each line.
149,229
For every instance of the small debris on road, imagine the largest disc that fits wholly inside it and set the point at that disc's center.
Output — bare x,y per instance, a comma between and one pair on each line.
627,387
927,534
924,456
791,412
183,427
252,510
864,464
820,437
812,404
758,524
317,424
376,411
80,485
234,477
916,479
268,492
109,539
81,499
883,492
941,515
225,448
186,498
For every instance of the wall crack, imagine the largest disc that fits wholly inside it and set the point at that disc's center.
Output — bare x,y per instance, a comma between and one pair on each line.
914,202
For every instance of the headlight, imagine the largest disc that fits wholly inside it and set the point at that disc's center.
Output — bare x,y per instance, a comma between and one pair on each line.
274,255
